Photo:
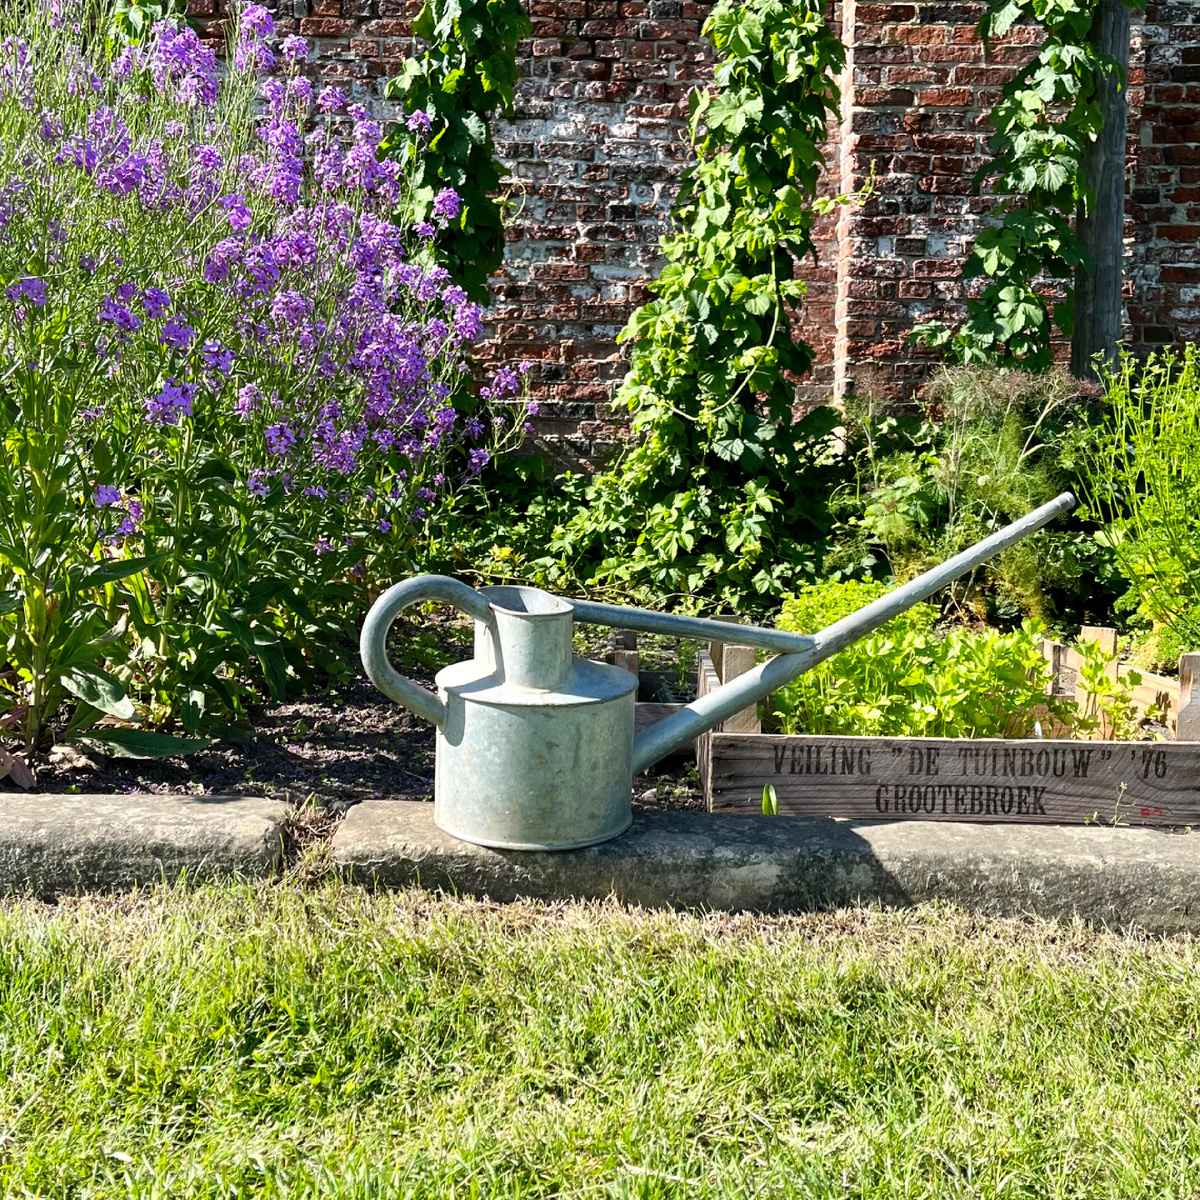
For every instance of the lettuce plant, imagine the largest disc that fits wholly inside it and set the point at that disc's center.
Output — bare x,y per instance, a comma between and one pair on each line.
234,393
907,680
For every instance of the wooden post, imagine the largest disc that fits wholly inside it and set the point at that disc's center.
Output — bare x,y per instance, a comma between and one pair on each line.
1107,640
737,661
1101,229
1051,652
627,660
716,650
1187,728
623,651
730,662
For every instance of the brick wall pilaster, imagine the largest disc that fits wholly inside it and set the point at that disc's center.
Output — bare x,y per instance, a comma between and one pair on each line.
1164,208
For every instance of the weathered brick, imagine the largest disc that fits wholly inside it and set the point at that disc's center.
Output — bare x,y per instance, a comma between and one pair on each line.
595,150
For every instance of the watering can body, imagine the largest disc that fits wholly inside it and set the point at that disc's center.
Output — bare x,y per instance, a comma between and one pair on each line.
536,748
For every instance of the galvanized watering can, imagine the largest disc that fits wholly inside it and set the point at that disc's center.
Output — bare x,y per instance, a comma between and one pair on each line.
536,748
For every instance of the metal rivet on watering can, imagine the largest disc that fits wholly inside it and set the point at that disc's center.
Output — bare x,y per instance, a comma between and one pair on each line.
536,748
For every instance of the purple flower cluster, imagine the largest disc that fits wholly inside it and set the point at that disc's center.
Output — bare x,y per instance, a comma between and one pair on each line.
268,293
252,53
108,496
447,204
173,402
29,288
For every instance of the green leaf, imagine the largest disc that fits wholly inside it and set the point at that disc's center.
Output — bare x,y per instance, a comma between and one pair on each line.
119,568
100,690
140,743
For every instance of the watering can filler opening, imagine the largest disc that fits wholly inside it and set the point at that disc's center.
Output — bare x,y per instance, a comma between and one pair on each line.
536,748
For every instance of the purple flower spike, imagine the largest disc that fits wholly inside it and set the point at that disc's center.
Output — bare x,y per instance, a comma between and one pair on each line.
447,204
31,288
173,402
294,49
257,22
240,217
119,316
253,57
331,100
177,335
105,495
156,302
419,123
280,439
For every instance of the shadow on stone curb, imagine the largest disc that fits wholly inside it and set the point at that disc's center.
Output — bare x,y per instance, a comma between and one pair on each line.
1110,877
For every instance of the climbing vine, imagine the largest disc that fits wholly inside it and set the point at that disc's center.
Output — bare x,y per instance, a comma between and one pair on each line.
1047,115
722,489
131,20
450,92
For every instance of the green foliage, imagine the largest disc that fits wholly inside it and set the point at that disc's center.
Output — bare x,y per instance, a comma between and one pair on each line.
723,494
466,74
131,20
1108,710
905,680
1047,115
1143,481
990,445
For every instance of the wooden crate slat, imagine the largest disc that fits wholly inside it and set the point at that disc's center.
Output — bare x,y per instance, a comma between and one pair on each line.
1154,690
647,713
948,779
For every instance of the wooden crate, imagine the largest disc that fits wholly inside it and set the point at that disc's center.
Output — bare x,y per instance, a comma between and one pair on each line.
1051,782
992,780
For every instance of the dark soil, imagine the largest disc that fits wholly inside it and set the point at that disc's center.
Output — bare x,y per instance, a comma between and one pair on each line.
328,750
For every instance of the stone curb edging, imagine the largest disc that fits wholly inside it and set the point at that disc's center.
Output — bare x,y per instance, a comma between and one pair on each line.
54,845
1121,878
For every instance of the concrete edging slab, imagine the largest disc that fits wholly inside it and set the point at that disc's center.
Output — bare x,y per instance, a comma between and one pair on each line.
53,845
1115,877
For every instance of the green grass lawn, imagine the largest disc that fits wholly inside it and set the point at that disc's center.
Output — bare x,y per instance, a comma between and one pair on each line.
322,1041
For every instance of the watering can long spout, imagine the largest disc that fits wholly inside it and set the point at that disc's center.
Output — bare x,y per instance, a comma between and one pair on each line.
800,653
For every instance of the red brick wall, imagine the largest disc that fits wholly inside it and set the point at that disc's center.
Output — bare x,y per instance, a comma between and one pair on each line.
596,146
1164,208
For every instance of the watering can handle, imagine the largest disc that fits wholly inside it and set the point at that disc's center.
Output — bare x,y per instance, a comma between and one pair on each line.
373,643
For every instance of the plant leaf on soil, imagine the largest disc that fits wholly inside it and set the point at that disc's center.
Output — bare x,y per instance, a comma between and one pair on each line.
13,767
100,690
139,743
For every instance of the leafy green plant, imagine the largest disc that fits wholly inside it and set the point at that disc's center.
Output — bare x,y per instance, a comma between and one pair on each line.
906,680
770,801
1046,116
989,445
1108,710
132,20
449,92
722,496
1142,476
